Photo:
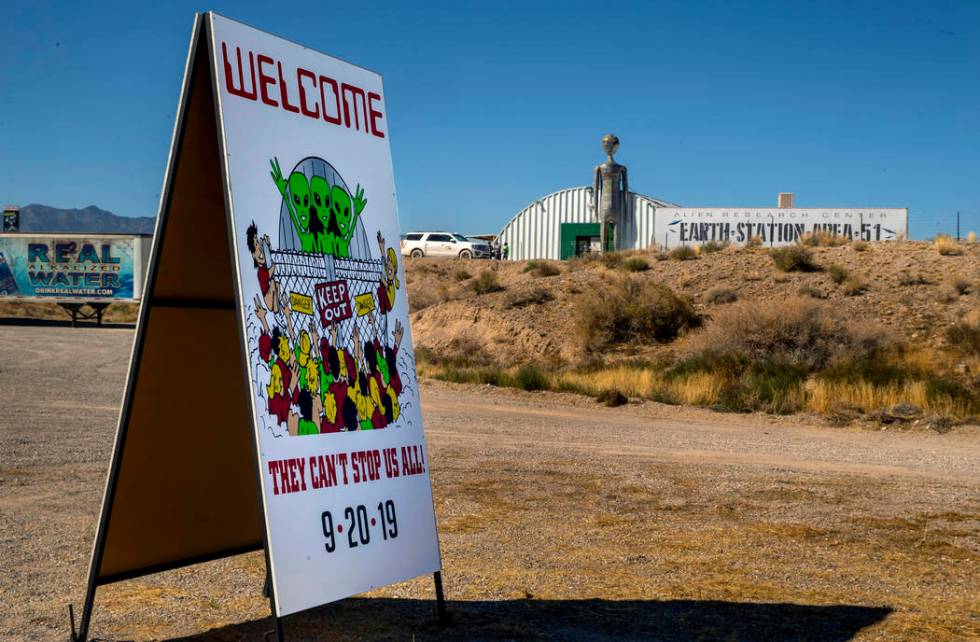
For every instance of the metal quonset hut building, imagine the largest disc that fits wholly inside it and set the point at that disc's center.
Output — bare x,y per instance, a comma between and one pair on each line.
562,225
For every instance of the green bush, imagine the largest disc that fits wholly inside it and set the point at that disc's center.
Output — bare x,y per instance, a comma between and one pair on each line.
632,309
486,283
793,258
530,377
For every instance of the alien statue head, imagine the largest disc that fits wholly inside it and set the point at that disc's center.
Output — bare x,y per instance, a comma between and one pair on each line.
610,145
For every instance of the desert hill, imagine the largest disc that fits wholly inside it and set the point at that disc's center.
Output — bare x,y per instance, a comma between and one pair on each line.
911,291
869,324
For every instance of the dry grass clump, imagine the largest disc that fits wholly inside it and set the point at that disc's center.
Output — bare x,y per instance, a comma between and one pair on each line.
636,264
854,286
631,309
959,285
486,282
542,268
535,296
965,335
946,245
813,293
720,295
752,358
461,275
793,258
861,246
683,253
711,247
971,237
837,273
800,332
908,279
754,241
823,238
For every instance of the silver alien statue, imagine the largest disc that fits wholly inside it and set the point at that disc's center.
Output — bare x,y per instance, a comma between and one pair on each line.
610,191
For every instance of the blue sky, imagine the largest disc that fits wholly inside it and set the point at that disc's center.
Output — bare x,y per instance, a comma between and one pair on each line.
494,104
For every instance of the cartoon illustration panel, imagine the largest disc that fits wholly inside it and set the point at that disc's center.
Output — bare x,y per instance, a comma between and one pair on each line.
326,352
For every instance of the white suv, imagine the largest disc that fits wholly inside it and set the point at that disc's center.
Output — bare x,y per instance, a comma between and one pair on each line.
419,244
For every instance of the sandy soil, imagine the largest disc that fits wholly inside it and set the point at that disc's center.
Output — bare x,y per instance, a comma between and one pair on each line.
559,519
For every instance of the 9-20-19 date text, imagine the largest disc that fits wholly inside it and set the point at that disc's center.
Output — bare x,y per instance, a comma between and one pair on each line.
357,525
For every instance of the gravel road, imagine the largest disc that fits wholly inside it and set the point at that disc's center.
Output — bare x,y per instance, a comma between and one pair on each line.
559,518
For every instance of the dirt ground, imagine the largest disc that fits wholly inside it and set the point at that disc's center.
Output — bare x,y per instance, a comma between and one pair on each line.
559,519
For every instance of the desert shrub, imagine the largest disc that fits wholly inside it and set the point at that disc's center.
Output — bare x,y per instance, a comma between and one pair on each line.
813,293
971,237
713,246
837,273
908,279
763,355
461,352
631,309
486,282
958,285
754,241
542,268
462,275
611,259
965,337
421,298
721,295
683,253
530,377
854,286
822,238
861,246
798,332
635,264
612,398
536,296
793,258
947,245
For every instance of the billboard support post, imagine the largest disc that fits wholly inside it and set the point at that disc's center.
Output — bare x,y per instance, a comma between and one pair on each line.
314,450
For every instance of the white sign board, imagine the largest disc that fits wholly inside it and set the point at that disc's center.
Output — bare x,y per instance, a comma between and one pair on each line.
342,456
675,226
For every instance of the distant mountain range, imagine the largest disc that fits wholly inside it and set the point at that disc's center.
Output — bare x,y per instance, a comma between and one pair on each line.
43,218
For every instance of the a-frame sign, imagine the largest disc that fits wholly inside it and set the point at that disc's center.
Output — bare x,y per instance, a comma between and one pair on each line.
272,400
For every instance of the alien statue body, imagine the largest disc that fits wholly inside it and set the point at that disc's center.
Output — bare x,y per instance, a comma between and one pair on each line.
324,217
610,190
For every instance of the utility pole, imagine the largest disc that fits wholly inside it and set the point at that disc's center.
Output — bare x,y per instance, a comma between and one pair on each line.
957,226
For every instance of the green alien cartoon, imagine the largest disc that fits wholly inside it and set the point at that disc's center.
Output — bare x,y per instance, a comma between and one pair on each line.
297,202
345,218
321,227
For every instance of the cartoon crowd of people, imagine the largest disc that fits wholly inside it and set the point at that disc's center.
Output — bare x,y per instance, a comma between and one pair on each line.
319,384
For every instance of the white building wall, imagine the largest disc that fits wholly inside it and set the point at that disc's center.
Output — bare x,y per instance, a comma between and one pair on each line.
535,231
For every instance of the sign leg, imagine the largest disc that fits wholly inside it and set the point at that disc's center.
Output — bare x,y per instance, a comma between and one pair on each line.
444,618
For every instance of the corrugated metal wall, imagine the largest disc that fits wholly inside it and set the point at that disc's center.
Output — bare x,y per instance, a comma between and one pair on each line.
535,231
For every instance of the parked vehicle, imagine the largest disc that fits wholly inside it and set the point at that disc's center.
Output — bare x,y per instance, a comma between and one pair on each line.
420,244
